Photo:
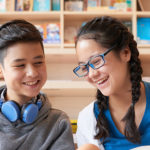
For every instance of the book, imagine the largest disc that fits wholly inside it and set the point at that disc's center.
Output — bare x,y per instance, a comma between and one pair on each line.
41,5
10,5
56,5
41,29
23,5
52,33
2,5
19,5
74,5
73,125
70,33
144,6
27,5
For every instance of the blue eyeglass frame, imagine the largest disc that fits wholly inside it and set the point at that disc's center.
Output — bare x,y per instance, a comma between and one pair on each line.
91,65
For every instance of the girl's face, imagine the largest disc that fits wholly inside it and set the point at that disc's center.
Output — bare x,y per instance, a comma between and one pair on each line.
113,75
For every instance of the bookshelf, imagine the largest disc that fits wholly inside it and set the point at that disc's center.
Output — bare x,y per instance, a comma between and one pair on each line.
64,89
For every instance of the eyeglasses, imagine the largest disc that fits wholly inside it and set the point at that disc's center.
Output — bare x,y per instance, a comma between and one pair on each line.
94,62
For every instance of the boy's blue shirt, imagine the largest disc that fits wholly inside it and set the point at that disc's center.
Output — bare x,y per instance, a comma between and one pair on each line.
117,141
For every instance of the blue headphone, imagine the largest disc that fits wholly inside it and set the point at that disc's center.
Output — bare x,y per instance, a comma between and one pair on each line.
27,113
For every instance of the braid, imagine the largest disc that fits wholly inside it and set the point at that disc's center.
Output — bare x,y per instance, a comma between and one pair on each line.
102,124
108,31
131,131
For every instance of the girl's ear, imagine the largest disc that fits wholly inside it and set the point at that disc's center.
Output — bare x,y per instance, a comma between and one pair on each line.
125,54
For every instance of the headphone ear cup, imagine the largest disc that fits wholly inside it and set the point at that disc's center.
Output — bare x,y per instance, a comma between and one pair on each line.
30,113
11,110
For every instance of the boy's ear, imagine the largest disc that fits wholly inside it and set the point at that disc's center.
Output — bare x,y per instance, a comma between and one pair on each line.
1,74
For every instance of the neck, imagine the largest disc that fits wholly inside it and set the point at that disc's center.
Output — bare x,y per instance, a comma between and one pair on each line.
123,99
21,100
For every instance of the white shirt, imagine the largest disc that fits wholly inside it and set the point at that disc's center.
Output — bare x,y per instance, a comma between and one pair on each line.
86,127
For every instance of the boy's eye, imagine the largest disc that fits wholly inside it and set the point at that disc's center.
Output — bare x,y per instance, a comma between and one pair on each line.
19,66
38,63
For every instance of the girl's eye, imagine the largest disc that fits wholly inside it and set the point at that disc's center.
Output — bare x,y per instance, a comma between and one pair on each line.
96,61
83,68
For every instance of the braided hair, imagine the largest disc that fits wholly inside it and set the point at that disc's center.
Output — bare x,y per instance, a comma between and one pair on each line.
107,32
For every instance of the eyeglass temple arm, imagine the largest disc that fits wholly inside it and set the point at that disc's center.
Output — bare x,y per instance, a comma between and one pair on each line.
110,49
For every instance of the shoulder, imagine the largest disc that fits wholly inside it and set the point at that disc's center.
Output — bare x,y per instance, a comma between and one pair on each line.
86,127
87,111
146,84
53,116
53,113
59,115
86,120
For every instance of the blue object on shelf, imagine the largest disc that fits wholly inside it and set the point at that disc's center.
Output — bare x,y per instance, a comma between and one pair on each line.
56,5
143,28
42,5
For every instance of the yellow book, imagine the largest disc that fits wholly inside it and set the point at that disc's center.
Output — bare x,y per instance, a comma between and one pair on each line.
74,125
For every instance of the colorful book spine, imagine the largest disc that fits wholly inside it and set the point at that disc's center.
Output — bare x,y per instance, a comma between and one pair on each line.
19,5
49,32
2,5
56,5
53,33
41,5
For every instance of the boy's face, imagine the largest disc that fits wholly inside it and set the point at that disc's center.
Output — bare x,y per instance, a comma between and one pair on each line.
24,71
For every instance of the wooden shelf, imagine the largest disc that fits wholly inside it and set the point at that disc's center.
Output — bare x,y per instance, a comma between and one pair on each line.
143,13
72,45
90,14
60,56
144,46
59,51
54,15
48,46
69,88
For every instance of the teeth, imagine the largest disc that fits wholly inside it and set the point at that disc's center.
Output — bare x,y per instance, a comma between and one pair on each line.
99,82
31,83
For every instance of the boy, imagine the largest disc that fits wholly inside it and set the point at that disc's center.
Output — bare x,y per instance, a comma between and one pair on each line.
26,120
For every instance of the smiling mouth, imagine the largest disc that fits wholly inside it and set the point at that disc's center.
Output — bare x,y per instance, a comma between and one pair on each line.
31,83
102,80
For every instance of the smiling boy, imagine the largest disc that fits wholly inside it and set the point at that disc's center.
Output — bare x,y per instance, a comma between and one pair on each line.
27,122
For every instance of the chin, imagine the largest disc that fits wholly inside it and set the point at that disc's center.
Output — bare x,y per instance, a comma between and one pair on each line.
105,92
30,95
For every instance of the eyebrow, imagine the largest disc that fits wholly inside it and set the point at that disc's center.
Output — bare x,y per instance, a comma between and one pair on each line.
37,57
82,63
88,59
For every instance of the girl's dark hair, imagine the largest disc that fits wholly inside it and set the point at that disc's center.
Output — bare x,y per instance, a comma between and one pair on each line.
16,31
108,31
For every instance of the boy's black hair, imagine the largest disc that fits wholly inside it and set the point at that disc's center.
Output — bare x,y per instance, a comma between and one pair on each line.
108,31
16,31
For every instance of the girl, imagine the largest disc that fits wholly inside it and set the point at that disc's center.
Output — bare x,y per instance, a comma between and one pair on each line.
109,59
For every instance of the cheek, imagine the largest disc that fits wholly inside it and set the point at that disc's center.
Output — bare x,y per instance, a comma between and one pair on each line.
89,79
43,72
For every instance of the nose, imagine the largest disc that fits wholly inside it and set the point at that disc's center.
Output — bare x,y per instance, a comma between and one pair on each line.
31,71
93,72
